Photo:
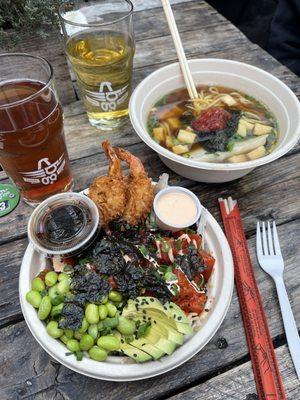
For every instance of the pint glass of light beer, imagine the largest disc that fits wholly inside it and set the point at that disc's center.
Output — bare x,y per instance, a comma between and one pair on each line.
100,46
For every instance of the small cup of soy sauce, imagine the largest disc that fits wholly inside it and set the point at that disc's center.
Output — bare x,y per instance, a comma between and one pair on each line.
64,225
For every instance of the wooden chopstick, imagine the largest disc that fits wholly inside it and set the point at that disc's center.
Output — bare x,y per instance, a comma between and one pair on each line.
180,51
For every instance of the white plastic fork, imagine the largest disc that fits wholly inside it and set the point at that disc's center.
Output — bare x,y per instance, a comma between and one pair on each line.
270,259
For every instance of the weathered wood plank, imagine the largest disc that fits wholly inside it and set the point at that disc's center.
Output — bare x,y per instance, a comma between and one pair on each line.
83,140
238,383
194,16
265,180
148,4
45,377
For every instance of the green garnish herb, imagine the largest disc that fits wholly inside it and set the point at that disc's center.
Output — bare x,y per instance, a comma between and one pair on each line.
79,355
165,246
230,146
129,339
201,283
68,269
178,244
169,276
143,329
175,289
143,249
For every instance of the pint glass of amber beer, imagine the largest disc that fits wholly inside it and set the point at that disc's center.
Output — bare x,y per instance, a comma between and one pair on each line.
33,151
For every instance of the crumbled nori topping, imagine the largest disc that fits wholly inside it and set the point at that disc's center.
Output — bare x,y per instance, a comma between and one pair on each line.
71,317
218,140
130,280
132,277
191,263
86,286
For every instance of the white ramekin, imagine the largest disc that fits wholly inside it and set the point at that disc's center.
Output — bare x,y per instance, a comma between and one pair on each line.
164,224
243,77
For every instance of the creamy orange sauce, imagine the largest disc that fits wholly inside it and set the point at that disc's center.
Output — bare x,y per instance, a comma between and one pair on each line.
176,209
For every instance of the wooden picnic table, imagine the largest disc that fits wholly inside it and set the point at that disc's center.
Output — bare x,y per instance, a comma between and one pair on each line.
222,369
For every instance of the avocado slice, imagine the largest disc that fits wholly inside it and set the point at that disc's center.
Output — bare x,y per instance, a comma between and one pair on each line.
168,331
134,353
161,317
174,311
148,347
160,342
176,317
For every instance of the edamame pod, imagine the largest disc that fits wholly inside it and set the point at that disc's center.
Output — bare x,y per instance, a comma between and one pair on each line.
69,333
115,296
104,300
73,345
100,326
58,299
92,314
63,276
97,354
34,298
93,331
109,343
44,308
56,310
126,326
86,342
38,284
112,309
52,292
111,322
77,335
63,286
51,278
103,311
64,339
84,326
53,330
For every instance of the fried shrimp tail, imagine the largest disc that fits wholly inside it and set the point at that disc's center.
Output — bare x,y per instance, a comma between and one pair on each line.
109,192
139,193
114,168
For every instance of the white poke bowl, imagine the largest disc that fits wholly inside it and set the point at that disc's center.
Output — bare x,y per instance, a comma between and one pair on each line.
122,368
240,76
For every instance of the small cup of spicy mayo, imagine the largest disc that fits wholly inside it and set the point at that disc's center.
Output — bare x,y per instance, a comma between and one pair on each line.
176,208
63,225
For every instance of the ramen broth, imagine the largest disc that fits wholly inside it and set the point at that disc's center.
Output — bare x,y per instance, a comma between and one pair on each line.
223,125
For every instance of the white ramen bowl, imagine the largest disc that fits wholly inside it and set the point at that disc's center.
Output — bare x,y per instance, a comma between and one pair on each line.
236,75
116,368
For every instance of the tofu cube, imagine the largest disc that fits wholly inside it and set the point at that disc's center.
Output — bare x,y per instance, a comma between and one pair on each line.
169,142
174,123
159,134
244,127
260,151
260,129
229,100
238,158
180,149
186,136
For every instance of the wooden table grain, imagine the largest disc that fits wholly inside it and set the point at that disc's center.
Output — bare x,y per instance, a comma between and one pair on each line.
222,369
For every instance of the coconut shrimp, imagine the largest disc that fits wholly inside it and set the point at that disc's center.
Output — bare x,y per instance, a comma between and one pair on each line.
139,193
109,192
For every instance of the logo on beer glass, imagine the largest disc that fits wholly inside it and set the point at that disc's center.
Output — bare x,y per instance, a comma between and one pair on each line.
46,173
109,99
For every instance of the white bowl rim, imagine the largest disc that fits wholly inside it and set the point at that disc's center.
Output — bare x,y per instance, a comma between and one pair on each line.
277,153
133,372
